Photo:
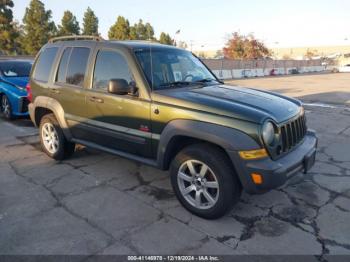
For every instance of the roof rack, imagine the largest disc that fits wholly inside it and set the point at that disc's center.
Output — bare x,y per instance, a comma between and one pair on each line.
75,37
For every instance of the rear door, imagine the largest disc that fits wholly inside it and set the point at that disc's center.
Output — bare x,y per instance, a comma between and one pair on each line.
120,122
69,85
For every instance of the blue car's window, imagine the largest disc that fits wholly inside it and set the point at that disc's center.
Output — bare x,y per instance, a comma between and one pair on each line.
15,68
44,64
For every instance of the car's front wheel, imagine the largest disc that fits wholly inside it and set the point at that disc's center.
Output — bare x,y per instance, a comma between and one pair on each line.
52,139
6,108
204,181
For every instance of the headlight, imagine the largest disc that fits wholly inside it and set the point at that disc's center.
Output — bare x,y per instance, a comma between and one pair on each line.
268,133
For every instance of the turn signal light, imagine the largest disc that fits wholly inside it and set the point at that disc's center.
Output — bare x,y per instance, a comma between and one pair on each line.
253,154
257,178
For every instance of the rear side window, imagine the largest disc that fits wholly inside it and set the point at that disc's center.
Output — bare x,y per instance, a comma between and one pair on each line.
77,66
44,64
62,69
110,65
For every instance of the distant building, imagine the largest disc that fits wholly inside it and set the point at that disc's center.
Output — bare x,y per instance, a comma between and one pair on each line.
297,53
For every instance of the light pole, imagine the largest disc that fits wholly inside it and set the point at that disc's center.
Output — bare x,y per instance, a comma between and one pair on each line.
276,54
176,33
191,45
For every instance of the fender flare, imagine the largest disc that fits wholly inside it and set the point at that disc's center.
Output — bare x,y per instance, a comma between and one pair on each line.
229,139
54,106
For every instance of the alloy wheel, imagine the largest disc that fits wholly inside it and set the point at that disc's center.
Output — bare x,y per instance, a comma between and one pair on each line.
50,138
5,106
198,184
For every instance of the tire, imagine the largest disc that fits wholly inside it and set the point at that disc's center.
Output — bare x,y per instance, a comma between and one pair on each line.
218,173
50,130
6,108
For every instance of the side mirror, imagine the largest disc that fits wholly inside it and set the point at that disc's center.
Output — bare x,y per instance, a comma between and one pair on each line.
118,87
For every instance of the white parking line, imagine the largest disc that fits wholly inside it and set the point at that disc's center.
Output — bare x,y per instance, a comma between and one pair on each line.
326,106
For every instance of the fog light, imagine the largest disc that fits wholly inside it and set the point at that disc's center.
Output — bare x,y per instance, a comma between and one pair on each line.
257,178
253,154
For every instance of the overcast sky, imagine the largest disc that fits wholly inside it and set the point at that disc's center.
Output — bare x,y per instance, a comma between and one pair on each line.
287,23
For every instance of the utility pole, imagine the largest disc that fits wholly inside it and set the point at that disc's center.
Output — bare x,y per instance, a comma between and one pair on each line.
176,33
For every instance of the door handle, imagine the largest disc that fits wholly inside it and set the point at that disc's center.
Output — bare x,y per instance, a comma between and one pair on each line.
55,91
96,99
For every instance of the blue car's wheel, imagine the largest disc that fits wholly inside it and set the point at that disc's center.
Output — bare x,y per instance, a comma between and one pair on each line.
6,107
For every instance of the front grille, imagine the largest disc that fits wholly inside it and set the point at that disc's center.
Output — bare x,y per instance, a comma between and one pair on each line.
292,133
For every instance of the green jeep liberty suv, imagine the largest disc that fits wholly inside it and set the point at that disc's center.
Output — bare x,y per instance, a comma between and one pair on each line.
162,106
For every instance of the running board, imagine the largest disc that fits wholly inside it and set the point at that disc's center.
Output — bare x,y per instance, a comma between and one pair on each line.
143,160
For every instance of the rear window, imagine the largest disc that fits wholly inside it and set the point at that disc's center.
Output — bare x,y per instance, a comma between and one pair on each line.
77,66
15,69
44,64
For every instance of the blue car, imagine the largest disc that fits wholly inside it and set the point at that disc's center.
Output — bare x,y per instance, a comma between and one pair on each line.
14,76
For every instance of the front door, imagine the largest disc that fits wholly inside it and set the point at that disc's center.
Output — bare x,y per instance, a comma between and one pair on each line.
120,122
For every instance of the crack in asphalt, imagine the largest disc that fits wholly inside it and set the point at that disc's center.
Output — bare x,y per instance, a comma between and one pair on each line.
59,203
249,223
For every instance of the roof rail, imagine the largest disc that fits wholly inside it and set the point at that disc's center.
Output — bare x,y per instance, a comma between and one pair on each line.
75,37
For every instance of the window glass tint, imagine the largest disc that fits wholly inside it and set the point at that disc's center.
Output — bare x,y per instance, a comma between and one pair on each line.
110,65
77,66
15,69
168,66
43,67
61,74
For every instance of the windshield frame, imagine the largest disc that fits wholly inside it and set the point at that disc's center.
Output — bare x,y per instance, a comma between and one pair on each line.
175,84
15,63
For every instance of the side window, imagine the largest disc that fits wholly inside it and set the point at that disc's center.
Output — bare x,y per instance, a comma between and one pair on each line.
44,64
77,66
62,69
110,65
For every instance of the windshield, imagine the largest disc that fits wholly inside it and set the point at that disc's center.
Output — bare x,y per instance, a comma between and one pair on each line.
15,69
172,68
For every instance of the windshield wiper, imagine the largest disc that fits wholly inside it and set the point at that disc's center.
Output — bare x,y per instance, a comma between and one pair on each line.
176,83
208,80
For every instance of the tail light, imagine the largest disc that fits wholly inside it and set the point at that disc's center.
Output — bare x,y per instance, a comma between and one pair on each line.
29,93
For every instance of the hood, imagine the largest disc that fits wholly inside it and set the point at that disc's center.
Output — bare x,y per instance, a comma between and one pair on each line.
232,101
18,81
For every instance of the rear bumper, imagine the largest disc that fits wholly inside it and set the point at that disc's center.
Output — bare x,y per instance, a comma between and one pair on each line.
276,172
22,107
31,113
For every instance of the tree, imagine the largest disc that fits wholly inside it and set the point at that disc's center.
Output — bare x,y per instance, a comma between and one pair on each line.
149,32
133,33
90,23
286,57
120,30
8,33
141,31
69,24
310,54
166,39
38,27
181,44
219,54
202,54
245,47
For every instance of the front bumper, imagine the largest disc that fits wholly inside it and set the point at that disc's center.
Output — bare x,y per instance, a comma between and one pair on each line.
276,172
22,106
